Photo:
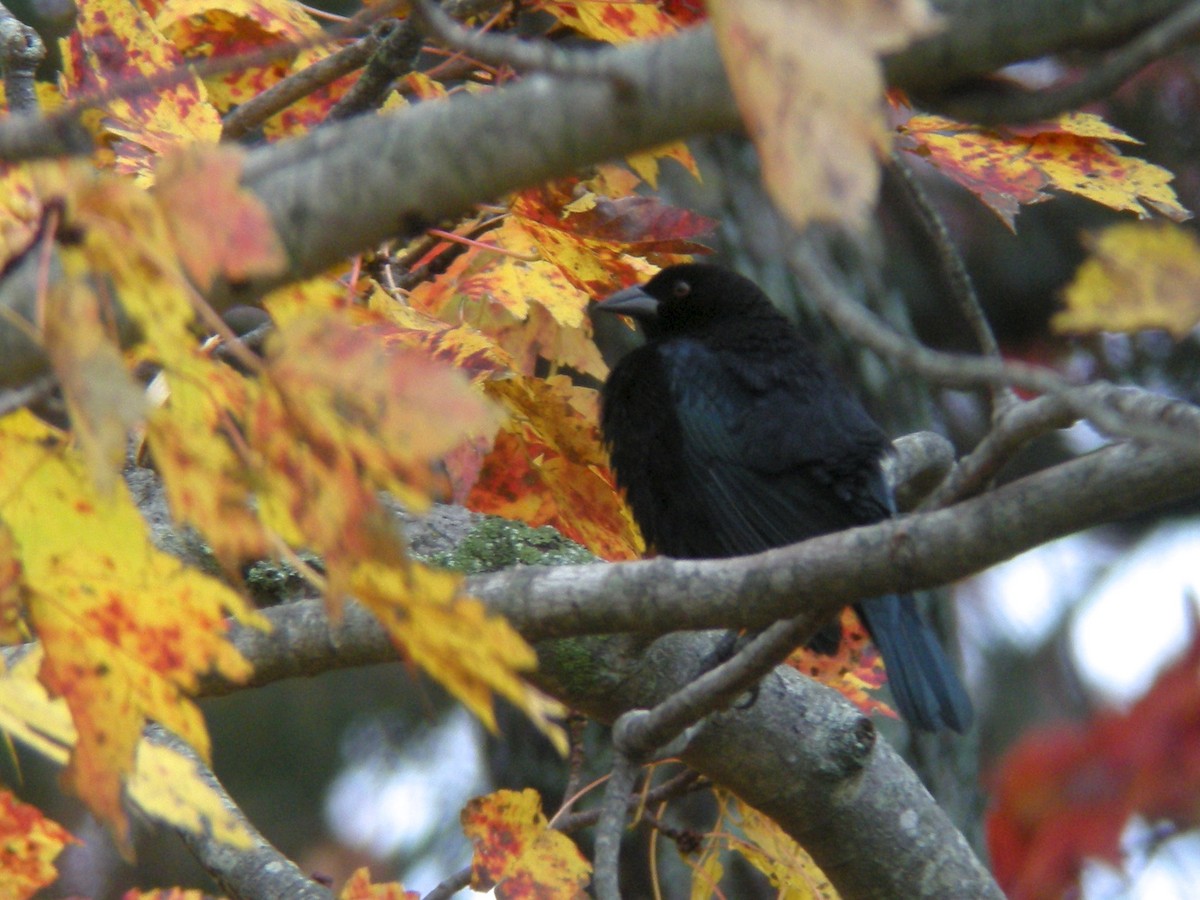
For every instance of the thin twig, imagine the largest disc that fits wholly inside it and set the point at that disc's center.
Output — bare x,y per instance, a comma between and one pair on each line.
611,825
31,392
1105,406
640,733
501,50
684,783
989,108
451,885
295,87
956,275
576,724
396,57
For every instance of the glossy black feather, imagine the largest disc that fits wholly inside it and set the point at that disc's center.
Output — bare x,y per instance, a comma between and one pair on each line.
730,437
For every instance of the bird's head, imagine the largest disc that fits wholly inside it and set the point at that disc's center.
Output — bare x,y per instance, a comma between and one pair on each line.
688,299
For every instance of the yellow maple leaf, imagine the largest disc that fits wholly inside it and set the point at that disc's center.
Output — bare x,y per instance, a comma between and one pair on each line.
646,163
517,854
124,236
103,400
785,863
199,451
13,629
127,629
808,81
453,638
164,784
169,787
20,211
613,22
1138,276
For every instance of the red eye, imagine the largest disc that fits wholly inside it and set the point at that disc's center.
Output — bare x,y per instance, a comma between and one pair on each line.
680,289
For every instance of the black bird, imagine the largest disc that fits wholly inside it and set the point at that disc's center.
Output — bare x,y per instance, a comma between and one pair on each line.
730,437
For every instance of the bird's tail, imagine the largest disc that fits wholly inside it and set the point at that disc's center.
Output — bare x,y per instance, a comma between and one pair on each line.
927,690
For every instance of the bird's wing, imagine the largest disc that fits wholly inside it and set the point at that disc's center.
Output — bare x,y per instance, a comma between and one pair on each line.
769,466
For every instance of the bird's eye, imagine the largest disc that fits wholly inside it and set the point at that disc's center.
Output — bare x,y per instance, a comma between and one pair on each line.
680,289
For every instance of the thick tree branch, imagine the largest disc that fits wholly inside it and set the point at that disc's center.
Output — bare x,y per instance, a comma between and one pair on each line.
819,576
848,799
799,753
981,37
813,579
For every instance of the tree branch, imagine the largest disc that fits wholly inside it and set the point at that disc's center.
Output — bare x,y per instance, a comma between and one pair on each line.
989,107
261,871
843,795
820,576
351,185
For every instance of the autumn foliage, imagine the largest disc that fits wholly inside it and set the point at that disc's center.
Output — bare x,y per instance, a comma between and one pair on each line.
456,364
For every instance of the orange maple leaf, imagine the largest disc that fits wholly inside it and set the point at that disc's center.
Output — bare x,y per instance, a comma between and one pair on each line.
29,844
359,887
116,42
548,468
219,228
854,670
1008,167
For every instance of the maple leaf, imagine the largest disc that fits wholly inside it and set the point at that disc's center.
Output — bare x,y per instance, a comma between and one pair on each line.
809,84
103,400
510,277
13,629
765,846
200,453
853,671
786,864
1008,167
29,844
116,42
1066,792
20,211
122,234
452,637
548,468
646,163
127,630
612,21
1137,277
359,887
517,854
214,29
164,784
602,244
219,228
392,412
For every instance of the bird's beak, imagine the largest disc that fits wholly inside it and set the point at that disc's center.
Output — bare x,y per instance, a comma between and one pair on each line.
633,302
